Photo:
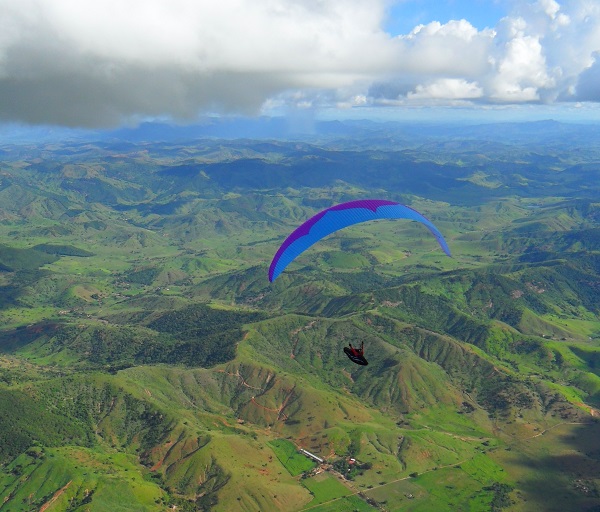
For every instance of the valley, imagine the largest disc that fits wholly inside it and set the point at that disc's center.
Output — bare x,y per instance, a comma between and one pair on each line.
146,362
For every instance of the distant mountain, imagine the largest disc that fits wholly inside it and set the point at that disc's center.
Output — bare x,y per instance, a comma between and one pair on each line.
147,363
365,133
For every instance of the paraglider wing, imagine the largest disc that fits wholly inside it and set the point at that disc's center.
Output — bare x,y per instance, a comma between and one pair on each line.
341,216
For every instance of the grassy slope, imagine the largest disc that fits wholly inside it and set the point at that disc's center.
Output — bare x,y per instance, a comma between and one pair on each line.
406,414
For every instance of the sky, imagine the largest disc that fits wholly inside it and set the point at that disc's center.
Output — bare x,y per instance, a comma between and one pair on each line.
107,63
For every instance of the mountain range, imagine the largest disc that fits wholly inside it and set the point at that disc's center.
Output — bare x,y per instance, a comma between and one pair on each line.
147,362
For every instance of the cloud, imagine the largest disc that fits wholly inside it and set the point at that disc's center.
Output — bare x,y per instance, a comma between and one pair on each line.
107,62
520,72
100,62
588,84
540,53
447,88
453,49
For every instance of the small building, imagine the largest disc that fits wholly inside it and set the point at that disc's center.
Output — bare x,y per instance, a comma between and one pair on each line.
311,455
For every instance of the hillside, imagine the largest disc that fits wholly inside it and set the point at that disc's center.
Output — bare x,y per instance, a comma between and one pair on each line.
147,362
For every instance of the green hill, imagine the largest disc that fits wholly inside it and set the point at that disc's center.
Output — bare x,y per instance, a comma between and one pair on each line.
147,362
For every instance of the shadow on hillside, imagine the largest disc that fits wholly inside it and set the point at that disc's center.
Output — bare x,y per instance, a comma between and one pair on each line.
13,339
567,477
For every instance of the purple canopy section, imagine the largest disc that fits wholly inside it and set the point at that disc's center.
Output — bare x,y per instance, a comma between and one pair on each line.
341,216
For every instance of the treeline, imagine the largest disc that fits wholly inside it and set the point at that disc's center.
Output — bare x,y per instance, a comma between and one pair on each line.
144,276
74,411
196,335
14,259
25,421
62,250
199,320
117,347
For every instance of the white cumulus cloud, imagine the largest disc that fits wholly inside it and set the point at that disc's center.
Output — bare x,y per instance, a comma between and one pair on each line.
447,88
105,62
520,72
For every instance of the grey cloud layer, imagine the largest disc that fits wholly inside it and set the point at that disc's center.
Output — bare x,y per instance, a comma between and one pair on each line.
104,62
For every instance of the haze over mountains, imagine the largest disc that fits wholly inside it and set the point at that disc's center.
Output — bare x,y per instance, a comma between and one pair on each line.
148,362
308,128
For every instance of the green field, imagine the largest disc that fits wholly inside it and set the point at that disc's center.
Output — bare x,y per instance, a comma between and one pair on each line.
288,455
325,488
344,504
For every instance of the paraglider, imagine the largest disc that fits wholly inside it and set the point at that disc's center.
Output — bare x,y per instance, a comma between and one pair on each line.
338,217
356,355
341,216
